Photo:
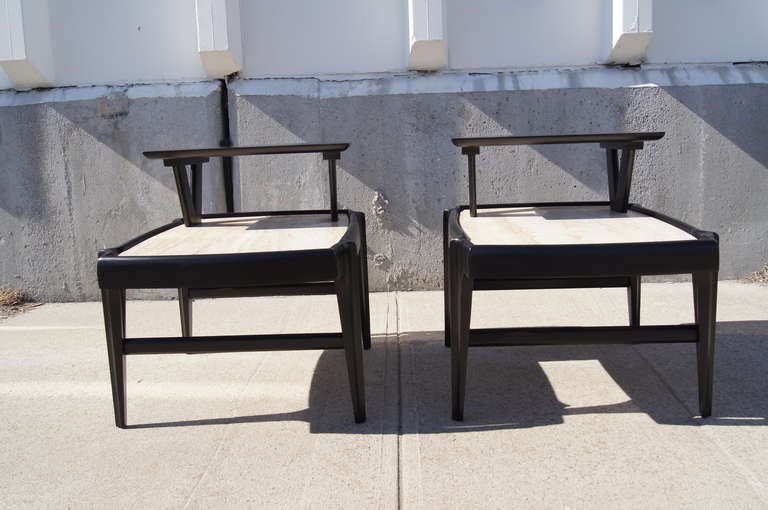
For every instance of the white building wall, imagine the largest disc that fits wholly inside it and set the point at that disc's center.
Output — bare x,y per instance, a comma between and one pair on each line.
300,37
503,33
696,31
118,41
140,41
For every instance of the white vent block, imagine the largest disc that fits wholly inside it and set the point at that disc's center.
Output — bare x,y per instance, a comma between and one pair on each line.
25,43
632,31
218,36
427,46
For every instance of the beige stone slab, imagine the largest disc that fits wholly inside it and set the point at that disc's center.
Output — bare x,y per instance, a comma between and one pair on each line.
566,225
245,235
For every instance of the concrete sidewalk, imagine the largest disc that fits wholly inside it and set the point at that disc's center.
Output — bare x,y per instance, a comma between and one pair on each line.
546,427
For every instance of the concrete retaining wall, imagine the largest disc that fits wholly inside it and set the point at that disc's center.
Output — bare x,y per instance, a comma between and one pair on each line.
73,179
402,170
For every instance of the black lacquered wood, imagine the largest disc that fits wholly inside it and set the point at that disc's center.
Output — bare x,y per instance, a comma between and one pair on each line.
587,335
310,289
190,189
364,303
189,212
552,283
612,164
609,260
616,260
705,306
332,157
226,141
232,343
447,293
113,301
501,266
489,141
197,186
471,153
348,287
461,309
620,202
633,300
225,270
185,311
340,269
302,148
619,167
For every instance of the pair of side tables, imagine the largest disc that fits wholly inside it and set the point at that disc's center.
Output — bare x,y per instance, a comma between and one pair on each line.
486,247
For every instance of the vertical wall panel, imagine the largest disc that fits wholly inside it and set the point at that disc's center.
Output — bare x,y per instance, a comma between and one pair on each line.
497,34
709,31
297,37
113,41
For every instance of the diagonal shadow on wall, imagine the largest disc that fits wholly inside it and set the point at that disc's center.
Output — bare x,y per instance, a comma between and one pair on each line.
74,179
706,127
392,137
556,172
21,175
401,169
736,118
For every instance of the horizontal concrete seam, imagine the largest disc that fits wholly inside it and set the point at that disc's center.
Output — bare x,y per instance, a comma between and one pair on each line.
336,86
132,91
399,374
591,77
50,328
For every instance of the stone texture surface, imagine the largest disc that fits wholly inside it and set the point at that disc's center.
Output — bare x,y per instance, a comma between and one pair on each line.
402,170
73,180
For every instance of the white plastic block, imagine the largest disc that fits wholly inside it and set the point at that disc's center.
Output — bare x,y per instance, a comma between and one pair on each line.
632,31
630,48
218,36
25,43
427,46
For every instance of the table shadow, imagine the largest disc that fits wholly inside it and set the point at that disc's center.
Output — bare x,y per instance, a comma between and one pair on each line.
408,386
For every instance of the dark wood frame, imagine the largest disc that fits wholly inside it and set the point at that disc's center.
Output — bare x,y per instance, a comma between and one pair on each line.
471,267
340,270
